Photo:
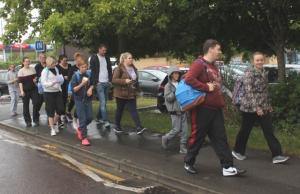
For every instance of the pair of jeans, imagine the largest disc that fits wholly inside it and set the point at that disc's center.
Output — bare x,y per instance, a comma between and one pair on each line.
265,121
121,103
33,96
14,95
102,92
85,115
209,122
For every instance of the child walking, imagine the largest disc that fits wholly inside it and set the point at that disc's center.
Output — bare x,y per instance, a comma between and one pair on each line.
179,118
82,89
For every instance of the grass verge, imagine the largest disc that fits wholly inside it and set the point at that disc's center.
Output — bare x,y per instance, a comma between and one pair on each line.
161,123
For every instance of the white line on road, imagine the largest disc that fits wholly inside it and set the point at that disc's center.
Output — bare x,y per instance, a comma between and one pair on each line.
80,166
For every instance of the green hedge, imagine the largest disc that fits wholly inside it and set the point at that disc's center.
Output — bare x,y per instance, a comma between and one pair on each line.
5,65
286,103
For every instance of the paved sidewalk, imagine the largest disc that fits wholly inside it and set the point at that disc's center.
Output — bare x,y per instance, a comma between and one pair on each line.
143,155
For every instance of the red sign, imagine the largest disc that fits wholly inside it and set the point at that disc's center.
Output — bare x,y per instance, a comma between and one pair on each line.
20,45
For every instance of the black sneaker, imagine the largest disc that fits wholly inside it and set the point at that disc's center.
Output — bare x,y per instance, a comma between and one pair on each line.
60,124
190,169
118,130
140,130
28,125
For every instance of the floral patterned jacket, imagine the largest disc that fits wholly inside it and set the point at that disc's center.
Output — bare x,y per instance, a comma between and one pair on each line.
256,95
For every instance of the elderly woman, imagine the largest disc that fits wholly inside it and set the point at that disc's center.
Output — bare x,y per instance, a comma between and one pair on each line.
255,106
52,80
125,80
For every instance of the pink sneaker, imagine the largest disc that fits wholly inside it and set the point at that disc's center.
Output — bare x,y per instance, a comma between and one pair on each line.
85,142
79,136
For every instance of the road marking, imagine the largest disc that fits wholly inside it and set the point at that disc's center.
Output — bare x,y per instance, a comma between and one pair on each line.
82,167
49,146
105,174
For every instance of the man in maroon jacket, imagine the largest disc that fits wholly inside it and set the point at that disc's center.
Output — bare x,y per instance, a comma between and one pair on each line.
208,119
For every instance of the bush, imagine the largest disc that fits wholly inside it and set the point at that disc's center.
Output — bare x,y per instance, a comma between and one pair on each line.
4,65
286,103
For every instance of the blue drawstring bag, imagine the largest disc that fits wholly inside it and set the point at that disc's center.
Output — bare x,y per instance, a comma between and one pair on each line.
77,76
187,97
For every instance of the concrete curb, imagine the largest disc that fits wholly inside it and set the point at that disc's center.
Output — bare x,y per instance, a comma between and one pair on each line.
147,108
123,165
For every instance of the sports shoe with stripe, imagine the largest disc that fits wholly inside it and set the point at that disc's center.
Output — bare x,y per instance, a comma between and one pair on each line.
232,171
238,156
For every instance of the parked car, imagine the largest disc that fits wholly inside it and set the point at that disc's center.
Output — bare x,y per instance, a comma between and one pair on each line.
3,82
150,81
158,67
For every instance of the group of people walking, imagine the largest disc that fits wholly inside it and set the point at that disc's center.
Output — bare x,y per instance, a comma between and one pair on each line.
64,85
207,119
61,86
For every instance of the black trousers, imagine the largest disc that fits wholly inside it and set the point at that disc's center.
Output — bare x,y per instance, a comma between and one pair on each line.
248,120
65,99
71,105
208,122
40,101
121,103
33,96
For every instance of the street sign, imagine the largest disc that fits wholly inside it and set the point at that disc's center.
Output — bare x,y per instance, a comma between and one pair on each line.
39,46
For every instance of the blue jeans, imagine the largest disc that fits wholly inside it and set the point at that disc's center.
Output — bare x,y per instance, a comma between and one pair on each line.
84,114
102,91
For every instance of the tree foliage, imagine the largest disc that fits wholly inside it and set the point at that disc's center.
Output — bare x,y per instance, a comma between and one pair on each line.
146,27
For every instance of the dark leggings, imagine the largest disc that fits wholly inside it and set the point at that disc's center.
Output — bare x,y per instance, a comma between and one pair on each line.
265,121
71,106
121,103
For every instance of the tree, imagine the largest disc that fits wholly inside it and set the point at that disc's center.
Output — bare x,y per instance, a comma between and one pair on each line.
271,24
147,27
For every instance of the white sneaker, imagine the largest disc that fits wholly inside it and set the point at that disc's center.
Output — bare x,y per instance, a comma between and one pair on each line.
238,156
55,127
53,133
75,123
280,159
232,171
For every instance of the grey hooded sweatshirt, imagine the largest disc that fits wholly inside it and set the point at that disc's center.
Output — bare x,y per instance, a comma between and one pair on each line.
170,89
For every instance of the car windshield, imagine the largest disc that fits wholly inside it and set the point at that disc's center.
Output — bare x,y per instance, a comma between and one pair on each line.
161,75
3,76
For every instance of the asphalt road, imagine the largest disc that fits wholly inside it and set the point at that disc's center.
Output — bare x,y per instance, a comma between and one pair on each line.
28,171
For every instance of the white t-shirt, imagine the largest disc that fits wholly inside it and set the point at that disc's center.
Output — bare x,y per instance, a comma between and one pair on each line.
175,84
103,74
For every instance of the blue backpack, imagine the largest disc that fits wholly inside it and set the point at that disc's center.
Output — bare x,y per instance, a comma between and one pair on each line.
187,97
77,76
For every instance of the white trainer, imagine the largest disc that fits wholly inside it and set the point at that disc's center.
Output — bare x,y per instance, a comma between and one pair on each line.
238,156
55,127
232,171
53,133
